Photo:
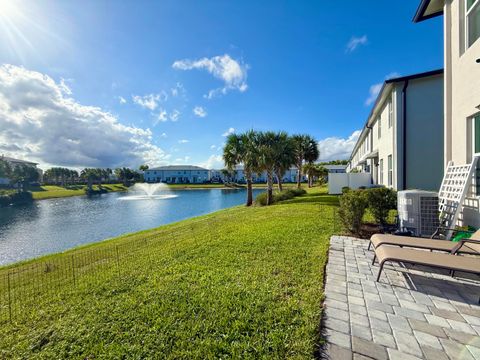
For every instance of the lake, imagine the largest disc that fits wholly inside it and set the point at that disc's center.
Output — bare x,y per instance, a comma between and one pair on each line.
54,225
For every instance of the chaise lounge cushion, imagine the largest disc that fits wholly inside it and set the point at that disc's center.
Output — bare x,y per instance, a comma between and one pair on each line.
435,259
422,243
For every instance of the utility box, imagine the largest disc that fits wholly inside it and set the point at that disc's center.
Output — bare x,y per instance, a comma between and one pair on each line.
418,212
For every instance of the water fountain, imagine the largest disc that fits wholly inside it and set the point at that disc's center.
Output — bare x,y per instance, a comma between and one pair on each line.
146,191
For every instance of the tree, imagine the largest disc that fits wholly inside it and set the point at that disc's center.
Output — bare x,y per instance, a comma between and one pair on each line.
90,175
5,169
23,175
284,156
241,149
267,147
143,167
306,149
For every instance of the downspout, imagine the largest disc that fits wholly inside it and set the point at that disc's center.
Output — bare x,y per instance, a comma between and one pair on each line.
404,116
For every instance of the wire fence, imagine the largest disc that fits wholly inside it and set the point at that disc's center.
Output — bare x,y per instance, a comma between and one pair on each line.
29,288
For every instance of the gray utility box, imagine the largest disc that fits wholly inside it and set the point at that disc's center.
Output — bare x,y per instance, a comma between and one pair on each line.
418,212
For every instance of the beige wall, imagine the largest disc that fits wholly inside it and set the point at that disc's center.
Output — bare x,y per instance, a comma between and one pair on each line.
462,83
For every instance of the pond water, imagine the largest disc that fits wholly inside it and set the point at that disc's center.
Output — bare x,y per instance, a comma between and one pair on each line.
54,225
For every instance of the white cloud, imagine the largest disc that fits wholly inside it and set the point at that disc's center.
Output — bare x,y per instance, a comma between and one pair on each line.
185,159
355,42
183,141
213,147
177,89
228,132
161,117
174,115
42,122
213,162
200,111
334,148
122,100
163,135
232,72
150,101
376,88
373,93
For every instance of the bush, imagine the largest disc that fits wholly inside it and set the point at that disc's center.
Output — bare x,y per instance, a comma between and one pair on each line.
261,199
353,204
345,189
16,198
380,201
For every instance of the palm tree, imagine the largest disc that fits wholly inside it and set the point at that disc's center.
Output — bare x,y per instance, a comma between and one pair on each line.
306,149
284,156
143,167
241,149
267,146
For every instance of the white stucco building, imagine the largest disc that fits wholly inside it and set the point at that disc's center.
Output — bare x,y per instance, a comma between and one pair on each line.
18,162
177,174
461,20
401,144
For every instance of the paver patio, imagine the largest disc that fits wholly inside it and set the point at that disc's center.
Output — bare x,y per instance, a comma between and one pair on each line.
408,314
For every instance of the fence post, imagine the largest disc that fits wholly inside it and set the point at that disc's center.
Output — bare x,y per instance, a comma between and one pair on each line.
9,298
73,271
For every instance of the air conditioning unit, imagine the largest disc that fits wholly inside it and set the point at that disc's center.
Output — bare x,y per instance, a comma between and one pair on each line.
418,212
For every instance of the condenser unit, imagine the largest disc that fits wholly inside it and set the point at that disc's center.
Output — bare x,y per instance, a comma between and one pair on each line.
418,212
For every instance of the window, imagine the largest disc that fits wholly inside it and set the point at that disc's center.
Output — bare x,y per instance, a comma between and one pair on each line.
390,113
390,170
472,21
381,171
379,122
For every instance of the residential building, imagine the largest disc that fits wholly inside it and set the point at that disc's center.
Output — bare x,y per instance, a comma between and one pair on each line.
17,162
177,174
336,169
238,176
405,121
461,20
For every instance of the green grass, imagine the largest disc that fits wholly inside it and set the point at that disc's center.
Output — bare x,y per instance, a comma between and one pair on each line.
52,191
238,283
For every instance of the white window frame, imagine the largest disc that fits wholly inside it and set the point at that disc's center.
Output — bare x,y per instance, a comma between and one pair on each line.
379,127
390,170
467,13
390,113
381,171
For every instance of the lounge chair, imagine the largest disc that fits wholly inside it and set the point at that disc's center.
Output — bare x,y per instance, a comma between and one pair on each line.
451,261
378,240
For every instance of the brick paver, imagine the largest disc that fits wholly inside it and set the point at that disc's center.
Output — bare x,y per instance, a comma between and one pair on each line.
409,314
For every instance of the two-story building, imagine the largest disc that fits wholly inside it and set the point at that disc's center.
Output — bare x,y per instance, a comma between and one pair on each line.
18,162
177,174
406,121
461,20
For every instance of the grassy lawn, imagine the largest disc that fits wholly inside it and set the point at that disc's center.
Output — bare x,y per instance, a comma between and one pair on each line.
52,191
238,283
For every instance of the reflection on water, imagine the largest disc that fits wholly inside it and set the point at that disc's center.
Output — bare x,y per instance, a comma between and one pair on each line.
54,225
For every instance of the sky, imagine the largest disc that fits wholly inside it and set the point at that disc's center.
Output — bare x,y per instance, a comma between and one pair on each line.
124,83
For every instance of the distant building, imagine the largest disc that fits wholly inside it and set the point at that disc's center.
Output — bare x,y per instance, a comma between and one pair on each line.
177,174
17,162
336,169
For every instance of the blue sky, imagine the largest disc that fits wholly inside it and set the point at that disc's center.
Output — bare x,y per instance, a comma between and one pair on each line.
110,83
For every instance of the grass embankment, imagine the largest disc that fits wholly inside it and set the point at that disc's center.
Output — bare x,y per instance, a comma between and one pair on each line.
238,283
52,191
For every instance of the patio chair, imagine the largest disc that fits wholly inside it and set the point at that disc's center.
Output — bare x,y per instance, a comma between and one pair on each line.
451,261
378,240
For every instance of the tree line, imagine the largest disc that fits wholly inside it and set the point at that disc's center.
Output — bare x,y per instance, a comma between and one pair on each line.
64,176
270,152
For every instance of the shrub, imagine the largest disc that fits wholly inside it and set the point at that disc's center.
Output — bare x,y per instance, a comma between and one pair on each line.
353,204
261,199
345,189
16,198
380,201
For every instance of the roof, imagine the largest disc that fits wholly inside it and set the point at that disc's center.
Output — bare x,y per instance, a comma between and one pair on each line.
179,168
13,160
428,9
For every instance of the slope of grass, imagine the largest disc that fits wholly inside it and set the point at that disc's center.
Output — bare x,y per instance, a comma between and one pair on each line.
239,283
52,191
